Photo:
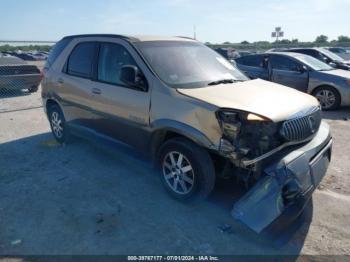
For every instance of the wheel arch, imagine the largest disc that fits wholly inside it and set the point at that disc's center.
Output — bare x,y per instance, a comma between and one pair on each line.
167,129
50,102
315,88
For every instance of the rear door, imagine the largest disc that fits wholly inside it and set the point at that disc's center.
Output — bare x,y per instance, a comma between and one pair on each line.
123,111
286,71
253,66
74,83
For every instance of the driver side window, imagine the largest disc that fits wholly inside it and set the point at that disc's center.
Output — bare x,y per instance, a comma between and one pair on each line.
112,57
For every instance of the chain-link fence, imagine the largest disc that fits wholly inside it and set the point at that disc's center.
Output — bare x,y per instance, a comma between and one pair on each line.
19,85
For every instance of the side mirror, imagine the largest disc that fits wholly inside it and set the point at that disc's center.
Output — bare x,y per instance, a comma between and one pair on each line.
333,64
327,60
302,69
131,76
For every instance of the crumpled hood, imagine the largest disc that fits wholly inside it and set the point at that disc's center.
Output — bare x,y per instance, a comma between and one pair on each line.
274,101
338,72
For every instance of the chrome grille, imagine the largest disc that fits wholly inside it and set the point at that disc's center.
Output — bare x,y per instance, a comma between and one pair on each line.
301,128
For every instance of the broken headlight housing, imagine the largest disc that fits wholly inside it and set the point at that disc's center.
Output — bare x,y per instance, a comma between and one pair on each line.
246,134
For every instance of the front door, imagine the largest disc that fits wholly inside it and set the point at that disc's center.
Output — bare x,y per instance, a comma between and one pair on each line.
123,111
288,72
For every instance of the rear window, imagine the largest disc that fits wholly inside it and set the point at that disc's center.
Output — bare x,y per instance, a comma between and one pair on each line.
309,52
250,60
56,51
81,59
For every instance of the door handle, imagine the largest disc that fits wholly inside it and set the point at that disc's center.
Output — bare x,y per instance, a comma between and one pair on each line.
96,91
60,80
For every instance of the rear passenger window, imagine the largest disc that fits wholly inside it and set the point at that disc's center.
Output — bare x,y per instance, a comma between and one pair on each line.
112,58
80,61
251,60
283,63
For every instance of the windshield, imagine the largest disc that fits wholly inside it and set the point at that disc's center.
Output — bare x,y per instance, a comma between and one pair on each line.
331,55
314,63
183,64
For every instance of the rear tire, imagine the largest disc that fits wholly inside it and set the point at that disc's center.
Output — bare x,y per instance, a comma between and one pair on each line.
58,124
186,170
328,97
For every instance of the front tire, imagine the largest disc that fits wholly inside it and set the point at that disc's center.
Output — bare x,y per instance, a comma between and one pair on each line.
328,97
58,124
186,170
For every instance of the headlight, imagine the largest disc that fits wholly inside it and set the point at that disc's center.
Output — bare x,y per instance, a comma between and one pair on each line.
230,123
253,117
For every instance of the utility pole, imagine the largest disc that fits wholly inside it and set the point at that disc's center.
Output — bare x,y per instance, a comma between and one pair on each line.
194,32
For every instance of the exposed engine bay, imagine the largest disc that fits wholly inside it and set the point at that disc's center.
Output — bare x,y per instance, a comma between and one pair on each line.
249,140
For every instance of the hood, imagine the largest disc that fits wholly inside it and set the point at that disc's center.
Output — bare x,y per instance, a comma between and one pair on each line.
337,72
264,98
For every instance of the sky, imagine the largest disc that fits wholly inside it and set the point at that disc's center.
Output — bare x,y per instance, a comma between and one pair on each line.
215,21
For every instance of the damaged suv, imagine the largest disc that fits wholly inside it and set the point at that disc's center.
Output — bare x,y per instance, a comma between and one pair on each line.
195,114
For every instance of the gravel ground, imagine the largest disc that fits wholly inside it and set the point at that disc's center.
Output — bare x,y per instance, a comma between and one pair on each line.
85,198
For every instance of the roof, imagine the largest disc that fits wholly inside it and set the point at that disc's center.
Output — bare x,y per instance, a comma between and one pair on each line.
292,54
136,38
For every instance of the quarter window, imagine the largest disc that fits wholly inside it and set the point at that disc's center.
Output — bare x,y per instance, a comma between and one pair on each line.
112,58
80,62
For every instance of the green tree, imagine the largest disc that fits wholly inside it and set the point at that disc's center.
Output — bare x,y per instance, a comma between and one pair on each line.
245,42
285,41
343,39
226,43
321,39
295,41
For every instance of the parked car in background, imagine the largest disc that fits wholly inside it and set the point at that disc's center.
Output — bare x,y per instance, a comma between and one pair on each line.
342,52
245,53
329,85
25,56
39,56
197,116
15,74
323,55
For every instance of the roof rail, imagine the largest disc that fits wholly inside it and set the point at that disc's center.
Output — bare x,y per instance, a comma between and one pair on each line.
102,35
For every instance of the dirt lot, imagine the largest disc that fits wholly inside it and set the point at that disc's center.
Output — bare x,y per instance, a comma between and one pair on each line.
85,198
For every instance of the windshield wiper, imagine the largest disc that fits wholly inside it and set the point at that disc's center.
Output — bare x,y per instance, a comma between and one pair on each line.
223,81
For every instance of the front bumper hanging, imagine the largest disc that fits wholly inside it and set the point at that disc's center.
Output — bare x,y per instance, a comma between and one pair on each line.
281,195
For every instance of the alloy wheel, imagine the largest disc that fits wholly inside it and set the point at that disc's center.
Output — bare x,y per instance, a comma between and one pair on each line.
178,172
56,123
326,98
